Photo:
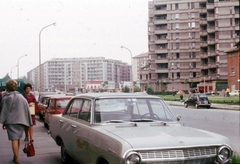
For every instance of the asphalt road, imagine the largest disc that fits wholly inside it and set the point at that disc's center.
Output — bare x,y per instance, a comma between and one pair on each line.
224,122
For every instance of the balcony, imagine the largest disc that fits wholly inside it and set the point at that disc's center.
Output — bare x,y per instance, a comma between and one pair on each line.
163,50
211,29
203,21
161,21
203,10
212,53
203,33
161,31
162,11
204,55
211,41
203,44
164,60
161,70
210,6
144,72
210,18
160,41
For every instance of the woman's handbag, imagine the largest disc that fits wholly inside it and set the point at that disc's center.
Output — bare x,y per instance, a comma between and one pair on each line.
29,149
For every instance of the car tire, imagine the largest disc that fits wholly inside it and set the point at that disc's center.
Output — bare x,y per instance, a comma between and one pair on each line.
103,161
66,159
208,107
185,105
196,106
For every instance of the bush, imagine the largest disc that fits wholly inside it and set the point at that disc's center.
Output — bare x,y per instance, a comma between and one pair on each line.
235,158
150,91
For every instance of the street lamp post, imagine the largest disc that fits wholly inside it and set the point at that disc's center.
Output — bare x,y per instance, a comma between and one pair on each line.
18,64
11,70
131,67
40,72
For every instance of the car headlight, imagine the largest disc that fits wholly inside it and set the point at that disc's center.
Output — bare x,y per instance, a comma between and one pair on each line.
224,154
133,158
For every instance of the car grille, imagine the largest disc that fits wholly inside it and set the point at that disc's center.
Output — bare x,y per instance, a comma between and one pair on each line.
180,156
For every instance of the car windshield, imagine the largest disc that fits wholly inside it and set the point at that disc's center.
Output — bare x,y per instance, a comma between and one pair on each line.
62,103
119,110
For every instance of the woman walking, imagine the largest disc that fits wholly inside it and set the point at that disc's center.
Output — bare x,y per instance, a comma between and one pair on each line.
31,102
15,116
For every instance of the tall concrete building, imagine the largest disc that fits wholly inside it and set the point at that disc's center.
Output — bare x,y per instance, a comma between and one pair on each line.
187,40
69,73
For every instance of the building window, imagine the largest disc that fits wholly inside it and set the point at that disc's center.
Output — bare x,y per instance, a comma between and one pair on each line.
194,64
192,5
177,26
177,55
176,6
232,72
193,15
176,16
178,75
177,45
193,24
177,35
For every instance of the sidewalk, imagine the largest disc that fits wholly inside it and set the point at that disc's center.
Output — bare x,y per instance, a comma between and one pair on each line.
213,106
45,147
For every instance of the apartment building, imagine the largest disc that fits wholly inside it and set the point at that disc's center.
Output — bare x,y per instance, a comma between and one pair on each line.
234,67
70,73
139,63
187,40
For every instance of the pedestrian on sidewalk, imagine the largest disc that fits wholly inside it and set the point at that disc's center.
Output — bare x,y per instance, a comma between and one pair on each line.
14,116
31,103
227,91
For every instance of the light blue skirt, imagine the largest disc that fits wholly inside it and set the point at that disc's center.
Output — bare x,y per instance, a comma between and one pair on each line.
15,131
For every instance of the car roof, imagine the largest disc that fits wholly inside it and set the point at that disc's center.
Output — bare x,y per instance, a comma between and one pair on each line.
60,97
114,95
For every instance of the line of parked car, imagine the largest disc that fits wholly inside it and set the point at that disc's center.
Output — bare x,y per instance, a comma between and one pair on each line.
50,103
127,128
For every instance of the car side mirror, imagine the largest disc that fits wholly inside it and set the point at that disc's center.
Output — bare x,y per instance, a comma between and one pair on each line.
178,117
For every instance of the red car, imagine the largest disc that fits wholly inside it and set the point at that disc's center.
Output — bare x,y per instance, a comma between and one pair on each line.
56,105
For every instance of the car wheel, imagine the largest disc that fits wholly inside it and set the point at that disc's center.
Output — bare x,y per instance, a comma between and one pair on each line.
208,107
196,106
103,161
185,105
64,155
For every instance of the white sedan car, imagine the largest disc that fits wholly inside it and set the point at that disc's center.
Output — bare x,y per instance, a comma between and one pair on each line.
124,128
234,93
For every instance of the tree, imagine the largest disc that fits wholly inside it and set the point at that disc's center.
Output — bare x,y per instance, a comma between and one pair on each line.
7,77
150,90
125,89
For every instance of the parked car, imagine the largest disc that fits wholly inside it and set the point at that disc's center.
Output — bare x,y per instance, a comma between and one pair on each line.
56,105
234,93
197,100
128,128
43,100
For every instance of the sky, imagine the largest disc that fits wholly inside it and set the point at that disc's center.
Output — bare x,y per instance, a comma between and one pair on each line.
84,28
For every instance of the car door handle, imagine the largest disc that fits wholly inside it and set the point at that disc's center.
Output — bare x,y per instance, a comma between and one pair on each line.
73,126
61,121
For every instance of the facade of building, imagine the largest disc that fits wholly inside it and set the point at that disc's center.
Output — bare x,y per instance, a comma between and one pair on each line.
139,62
187,40
70,73
234,67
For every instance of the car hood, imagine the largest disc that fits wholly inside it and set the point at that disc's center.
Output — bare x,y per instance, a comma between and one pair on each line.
154,135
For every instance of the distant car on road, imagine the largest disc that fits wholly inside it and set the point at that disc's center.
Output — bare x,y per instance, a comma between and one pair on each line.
56,105
129,128
197,100
234,93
